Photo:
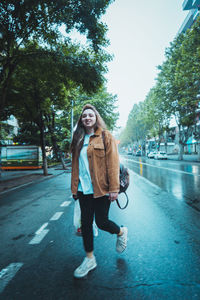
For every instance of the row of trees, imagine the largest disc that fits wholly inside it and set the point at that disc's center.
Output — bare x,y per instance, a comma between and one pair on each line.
42,71
175,95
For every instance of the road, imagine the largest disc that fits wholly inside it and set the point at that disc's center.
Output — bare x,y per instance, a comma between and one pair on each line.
39,250
180,178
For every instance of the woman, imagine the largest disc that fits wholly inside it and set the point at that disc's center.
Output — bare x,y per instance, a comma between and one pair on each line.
95,182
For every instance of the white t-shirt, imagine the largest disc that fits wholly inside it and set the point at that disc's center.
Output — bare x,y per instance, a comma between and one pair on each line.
85,182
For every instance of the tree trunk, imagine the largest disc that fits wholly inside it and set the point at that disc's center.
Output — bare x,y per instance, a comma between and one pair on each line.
55,146
0,165
181,150
198,151
166,147
63,162
166,140
43,144
5,85
57,151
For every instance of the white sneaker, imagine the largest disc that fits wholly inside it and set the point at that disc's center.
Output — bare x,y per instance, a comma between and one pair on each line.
87,265
122,240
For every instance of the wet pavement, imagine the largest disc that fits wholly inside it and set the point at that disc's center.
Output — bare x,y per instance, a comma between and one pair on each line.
14,179
179,178
162,260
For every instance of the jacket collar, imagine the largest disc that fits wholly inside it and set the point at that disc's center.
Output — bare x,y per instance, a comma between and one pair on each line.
98,131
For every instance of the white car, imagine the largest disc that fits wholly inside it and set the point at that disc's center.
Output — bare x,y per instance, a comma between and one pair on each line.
160,155
151,154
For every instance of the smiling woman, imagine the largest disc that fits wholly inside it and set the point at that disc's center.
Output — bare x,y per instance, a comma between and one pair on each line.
95,182
89,120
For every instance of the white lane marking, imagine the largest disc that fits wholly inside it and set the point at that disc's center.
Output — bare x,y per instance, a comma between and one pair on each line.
169,169
41,228
39,237
8,273
56,216
66,203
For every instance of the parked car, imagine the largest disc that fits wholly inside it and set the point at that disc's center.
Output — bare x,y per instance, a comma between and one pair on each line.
138,153
160,155
151,154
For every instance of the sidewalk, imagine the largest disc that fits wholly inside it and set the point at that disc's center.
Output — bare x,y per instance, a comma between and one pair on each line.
186,157
10,180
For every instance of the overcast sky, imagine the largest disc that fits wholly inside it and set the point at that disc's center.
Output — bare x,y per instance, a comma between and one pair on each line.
139,31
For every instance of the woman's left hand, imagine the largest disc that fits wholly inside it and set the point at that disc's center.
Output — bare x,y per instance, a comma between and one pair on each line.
113,196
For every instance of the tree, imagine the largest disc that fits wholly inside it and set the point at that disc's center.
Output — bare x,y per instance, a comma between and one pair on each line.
187,78
172,93
156,109
39,87
23,21
5,131
176,93
136,128
28,134
103,101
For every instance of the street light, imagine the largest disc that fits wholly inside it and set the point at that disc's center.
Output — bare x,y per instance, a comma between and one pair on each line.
72,118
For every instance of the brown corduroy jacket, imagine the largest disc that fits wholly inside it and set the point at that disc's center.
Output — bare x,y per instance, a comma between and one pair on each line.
103,165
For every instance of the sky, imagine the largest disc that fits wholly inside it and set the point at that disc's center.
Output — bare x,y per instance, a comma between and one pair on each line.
139,32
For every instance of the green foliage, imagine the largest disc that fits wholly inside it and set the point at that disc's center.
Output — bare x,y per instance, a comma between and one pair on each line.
174,94
136,128
21,22
28,134
104,102
5,131
42,90
43,80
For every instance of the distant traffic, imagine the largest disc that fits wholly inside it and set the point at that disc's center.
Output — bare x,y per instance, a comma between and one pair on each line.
151,154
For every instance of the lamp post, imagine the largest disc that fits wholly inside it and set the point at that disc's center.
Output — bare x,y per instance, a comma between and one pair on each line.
72,118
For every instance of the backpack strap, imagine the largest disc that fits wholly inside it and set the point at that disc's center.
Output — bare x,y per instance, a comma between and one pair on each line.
103,138
127,200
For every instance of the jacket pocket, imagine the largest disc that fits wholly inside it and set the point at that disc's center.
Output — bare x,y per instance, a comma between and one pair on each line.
99,150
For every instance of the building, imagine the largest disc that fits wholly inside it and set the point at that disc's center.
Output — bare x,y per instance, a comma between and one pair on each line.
11,128
193,6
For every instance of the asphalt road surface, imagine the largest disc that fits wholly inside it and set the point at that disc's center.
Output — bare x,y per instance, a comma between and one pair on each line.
39,250
180,178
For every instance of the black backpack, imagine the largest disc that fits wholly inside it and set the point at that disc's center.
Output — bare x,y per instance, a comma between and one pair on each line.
123,178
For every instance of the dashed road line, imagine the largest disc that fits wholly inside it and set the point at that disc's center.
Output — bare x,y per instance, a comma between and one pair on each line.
41,228
39,237
7,274
66,203
42,232
56,216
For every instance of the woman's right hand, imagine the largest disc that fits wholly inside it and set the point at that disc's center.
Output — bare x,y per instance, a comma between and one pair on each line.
75,197
113,196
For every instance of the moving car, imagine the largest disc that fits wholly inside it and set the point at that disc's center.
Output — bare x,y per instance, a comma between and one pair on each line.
151,154
160,155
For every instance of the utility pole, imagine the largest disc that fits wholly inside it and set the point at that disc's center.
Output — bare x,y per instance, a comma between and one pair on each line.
72,118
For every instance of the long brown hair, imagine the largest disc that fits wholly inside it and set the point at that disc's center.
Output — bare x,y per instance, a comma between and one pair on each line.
79,133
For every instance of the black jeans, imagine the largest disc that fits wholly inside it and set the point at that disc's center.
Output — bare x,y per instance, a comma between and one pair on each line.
98,207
